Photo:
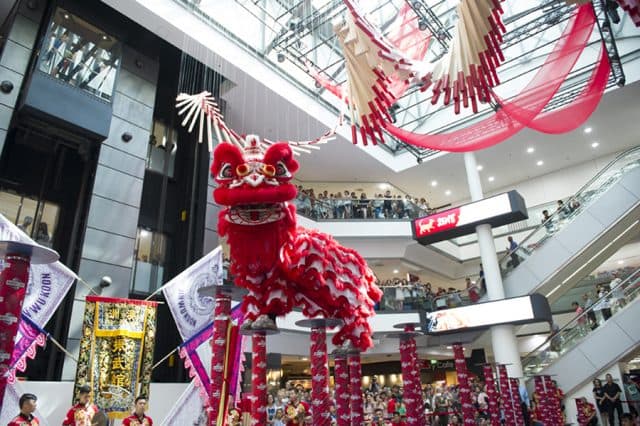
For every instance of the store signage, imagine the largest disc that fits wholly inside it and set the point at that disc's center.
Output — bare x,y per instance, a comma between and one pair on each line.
498,210
437,365
518,310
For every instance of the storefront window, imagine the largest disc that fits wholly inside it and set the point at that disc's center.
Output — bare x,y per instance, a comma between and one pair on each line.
38,219
161,156
151,255
80,54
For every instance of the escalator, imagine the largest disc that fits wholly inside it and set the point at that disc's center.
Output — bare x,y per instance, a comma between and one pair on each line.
578,352
600,218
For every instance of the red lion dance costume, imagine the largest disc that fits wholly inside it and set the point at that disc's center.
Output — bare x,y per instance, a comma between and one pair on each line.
281,265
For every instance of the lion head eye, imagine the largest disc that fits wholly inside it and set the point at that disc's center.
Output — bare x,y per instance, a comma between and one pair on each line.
243,170
281,170
226,172
268,170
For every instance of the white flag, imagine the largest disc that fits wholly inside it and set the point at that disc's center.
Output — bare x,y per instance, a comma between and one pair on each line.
188,410
191,310
48,284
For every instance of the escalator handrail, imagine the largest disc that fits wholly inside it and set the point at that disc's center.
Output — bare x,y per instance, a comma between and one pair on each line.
634,276
574,197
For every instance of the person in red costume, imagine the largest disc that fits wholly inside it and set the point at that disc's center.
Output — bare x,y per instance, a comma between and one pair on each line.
27,404
83,412
296,411
138,418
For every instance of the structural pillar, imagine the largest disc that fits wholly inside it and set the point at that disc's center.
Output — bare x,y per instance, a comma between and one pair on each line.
259,373
259,379
342,389
221,318
494,408
355,373
14,279
505,393
503,338
222,293
517,403
412,388
542,399
464,391
319,368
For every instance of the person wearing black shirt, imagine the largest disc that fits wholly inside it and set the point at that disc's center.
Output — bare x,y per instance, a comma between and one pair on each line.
601,401
612,393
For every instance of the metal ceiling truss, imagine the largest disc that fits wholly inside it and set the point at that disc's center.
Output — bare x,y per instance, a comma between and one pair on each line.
604,11
300,19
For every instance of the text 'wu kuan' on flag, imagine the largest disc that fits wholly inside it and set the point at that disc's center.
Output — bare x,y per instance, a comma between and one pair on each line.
48,285
193,314
116,352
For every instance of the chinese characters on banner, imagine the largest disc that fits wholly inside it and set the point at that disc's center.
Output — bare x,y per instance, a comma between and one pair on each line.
116,351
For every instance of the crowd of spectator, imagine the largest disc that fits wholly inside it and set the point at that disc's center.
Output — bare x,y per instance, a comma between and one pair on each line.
606,298
384,406
350,205
402,294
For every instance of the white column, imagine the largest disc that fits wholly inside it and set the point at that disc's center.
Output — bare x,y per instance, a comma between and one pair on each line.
503,337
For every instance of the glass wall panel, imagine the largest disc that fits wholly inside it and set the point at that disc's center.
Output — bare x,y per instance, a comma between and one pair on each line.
80,54
151,256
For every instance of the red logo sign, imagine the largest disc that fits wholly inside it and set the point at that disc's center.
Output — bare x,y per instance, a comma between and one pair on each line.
437,223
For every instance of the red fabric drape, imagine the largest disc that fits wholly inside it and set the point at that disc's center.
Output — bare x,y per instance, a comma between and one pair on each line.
526,106
573,116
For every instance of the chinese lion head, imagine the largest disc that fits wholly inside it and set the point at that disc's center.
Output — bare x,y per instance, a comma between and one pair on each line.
283,266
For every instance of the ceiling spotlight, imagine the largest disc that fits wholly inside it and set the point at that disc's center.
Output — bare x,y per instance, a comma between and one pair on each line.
479,167
491,179
447,192
588,129
66,16
434,183
530,150
620,262
595,144
395,271
540,163
281,57
422,25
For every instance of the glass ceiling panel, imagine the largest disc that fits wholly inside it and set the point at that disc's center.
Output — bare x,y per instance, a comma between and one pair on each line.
289,33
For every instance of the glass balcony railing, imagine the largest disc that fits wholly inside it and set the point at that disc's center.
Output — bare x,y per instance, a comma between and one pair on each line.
389,208
563,339
566,211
